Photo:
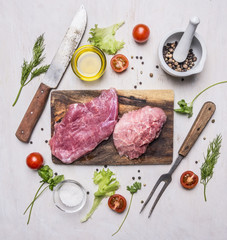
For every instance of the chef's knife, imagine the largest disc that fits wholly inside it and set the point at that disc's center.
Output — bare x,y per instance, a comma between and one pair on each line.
54,74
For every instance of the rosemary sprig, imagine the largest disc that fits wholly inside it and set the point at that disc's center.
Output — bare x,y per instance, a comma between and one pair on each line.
207,168
187,108
28,67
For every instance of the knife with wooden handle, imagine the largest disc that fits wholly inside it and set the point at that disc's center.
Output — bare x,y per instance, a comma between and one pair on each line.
54,74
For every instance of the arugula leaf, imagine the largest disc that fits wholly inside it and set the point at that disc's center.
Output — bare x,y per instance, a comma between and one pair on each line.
187,108
54,181
106,187
104,39
46,173
132,189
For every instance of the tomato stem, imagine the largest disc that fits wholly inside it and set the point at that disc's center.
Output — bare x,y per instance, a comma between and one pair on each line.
125,216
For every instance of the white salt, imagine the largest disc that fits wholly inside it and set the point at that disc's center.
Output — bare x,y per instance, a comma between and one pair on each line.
71,195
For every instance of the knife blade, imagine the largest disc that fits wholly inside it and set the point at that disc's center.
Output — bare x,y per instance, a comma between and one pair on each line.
54,74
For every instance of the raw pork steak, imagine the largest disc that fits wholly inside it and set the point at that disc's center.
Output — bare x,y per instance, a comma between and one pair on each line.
84,126
136,129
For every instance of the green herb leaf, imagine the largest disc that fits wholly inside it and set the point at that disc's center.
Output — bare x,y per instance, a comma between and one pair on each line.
37,72
207,168
38,51
27,68
187,108
54,181
46,173
104,39
134,188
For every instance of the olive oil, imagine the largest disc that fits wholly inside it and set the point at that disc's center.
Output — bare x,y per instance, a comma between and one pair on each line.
89,64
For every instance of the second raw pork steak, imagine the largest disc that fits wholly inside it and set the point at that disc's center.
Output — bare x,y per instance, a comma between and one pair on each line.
136,129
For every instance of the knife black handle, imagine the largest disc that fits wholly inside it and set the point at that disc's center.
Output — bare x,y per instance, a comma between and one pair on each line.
200,123
33,113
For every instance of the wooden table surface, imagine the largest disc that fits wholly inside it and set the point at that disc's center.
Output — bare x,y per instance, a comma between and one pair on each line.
180,214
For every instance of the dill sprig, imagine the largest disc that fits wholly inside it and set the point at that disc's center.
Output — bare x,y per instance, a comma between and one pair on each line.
28,67
207,168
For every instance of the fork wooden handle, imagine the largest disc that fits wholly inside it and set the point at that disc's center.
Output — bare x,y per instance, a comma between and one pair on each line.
201,121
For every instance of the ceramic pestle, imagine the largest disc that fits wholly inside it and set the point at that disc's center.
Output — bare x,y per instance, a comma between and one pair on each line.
181,51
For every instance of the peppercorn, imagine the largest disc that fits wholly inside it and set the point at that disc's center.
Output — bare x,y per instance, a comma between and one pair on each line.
168,51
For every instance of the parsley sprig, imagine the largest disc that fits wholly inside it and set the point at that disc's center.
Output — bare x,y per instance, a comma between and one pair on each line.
29,68
207,168
46,173
187,108
133,189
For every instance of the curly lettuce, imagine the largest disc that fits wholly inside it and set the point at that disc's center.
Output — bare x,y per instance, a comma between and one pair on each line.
107,185
104,39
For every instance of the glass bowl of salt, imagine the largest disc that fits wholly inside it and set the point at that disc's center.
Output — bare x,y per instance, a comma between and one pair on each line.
69,196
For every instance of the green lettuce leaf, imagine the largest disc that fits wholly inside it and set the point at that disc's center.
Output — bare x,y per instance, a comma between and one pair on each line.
104,39
107,185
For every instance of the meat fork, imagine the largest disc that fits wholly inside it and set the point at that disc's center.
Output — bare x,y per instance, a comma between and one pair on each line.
199,124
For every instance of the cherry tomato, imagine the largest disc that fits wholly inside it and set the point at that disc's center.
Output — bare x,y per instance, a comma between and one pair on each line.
141,33
119,63
34,160
189,179
117,203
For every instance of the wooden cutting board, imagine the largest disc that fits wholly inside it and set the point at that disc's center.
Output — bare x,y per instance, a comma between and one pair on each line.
158,152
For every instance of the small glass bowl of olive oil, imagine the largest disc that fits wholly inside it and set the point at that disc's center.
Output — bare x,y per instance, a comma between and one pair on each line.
88,63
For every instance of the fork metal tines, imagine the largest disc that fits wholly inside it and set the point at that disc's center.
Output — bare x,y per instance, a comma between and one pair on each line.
166,178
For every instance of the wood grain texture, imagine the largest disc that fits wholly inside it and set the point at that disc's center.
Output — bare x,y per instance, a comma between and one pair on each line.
33,113
199,124
158,152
